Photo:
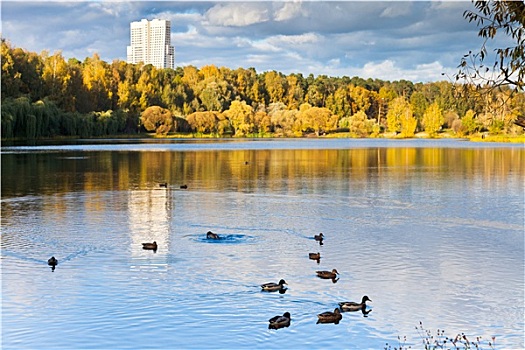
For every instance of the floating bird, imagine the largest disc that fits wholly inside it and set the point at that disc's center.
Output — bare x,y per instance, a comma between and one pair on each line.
319,237
330,317
280,321
327,274
211,235
314,256
183,187
353,306
273,287
150,246
163,184
52,261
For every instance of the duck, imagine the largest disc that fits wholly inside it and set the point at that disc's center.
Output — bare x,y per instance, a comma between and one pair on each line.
211,235
163,184
273,287
52,261
330,317
319,237
354,306
327,274
277,322
150,246
183,187
314,256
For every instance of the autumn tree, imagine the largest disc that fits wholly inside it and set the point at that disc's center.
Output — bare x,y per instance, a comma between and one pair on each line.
204,122
57,78
340,102
96,80
466,125
433,119
158,119
316,119
358,124
21,73
295,93
240,116
494,19
275,85
400,117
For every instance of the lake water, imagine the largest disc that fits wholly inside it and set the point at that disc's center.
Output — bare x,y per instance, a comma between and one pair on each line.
431,231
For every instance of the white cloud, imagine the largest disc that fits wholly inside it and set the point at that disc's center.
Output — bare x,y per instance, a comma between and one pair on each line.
180,18
397,9
295,40
389,70
237,14
288,11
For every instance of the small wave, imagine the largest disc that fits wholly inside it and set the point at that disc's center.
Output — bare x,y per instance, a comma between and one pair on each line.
226,239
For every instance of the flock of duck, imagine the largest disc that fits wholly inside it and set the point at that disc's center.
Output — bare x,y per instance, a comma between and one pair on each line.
281,321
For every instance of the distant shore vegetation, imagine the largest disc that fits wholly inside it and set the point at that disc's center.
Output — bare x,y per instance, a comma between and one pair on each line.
46,96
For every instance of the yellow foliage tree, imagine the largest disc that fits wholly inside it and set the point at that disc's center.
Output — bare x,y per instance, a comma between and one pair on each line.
158,119
433,119
241,117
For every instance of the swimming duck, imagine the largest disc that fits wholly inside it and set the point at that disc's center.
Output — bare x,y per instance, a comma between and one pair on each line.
280,321
52,261
314,256
327,274
319,237
273,287
330,317
163,184
353,306
211,235
150,246
183,187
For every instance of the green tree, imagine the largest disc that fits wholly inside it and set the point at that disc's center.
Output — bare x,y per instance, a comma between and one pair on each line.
419,105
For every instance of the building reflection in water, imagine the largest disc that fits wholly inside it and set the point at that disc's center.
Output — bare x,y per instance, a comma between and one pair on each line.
149,212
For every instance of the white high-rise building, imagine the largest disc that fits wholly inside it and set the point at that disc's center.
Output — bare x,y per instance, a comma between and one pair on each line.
151,43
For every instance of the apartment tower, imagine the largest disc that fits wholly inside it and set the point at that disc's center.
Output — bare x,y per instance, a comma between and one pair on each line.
151,43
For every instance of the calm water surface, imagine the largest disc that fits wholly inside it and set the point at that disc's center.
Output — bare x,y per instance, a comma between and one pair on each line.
431,231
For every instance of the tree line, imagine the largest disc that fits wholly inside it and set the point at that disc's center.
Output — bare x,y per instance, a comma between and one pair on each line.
44,95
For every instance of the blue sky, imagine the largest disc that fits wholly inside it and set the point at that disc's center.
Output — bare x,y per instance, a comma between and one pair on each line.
393,40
